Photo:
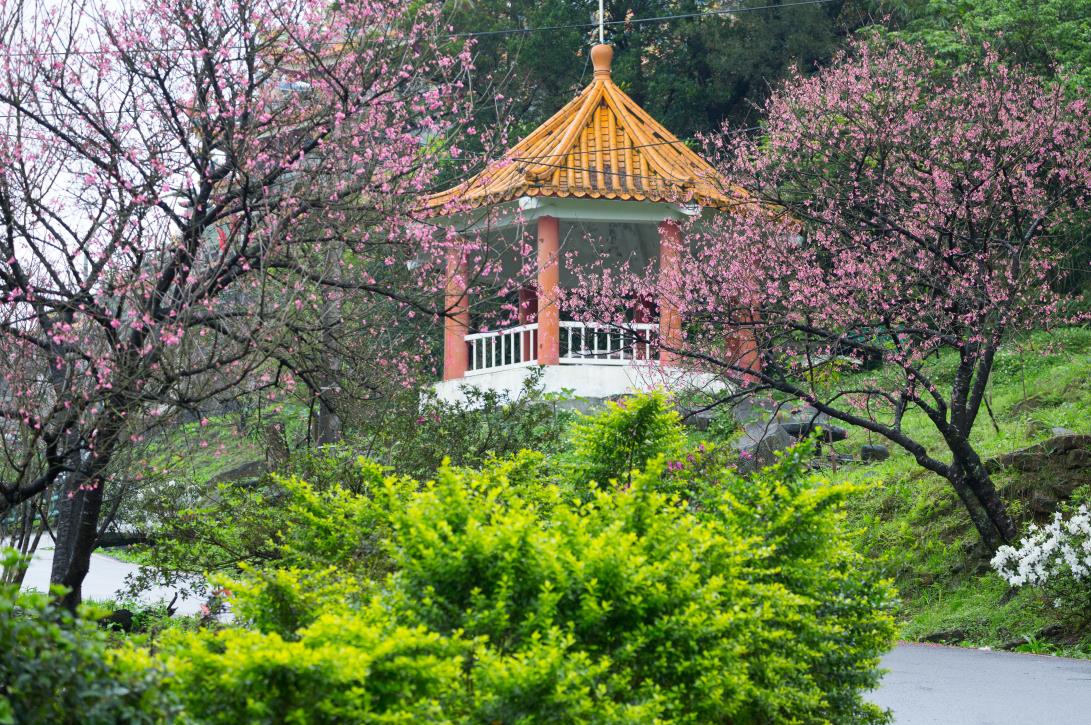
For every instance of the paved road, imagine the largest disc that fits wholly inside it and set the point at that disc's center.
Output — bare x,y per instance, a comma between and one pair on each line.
105,577
936,684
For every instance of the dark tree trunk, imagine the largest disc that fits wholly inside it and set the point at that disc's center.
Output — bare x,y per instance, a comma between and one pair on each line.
79,542
978,480
327,424
79,511
984,524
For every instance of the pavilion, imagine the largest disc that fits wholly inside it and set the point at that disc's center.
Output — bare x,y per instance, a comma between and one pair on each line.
600,168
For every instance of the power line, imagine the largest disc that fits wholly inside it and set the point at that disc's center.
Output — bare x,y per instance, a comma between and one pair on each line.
636,21
468,34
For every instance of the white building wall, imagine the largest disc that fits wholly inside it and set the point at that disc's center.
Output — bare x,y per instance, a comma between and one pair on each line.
582,380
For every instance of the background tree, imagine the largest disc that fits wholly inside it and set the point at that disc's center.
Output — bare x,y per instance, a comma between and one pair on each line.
172,176
894,214
692,72
1048,37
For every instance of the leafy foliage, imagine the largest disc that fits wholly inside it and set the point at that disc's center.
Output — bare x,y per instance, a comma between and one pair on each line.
510,599
692,73
1048,36
629,433
56,667
340,668
416,437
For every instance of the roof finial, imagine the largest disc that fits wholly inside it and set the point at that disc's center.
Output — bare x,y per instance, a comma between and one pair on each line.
602,23
601,57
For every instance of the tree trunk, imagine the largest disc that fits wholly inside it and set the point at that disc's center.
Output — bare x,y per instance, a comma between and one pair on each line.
978,480
327,424
78,514
83,533
980,517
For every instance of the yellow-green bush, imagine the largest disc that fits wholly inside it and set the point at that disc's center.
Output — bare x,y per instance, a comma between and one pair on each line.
515,596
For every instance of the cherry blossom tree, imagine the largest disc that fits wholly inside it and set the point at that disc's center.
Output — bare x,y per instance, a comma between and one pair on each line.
201,199
893,211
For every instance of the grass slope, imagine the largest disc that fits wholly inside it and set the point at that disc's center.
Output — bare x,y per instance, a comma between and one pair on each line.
913,526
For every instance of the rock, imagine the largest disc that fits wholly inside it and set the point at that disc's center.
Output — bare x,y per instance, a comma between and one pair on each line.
1036,428
800,421
1063,486
121,619
758,443
796,429
946,636
1042,504
1052,630
753,409
1078,458
1035,457
697,419
874,452
245,472
833,433
1013,643
1058,431
1027,404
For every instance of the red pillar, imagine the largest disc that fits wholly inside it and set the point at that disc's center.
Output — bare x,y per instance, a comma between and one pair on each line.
456,357
670,321
742,348
549,273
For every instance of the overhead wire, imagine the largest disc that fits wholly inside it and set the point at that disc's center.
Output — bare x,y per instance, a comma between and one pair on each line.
472,33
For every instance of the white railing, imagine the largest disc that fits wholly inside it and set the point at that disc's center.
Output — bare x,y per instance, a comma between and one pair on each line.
500,349
592,344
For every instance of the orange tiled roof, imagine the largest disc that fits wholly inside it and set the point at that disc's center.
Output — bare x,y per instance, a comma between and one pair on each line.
601,145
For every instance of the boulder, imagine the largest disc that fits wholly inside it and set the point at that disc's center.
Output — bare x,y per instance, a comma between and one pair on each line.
1078,458
874,452
833,433
946,636
758,443
753,409
1036,457
121,619
801,421
697,419
1041,504
246,472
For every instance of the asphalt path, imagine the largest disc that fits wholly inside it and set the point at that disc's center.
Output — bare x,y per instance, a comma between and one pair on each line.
105,577
961,686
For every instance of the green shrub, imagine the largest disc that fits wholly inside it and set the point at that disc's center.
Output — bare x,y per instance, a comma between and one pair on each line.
629,433
56,667
341,668
415,438
508,599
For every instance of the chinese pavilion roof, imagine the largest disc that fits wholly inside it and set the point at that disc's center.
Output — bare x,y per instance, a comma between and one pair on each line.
601,145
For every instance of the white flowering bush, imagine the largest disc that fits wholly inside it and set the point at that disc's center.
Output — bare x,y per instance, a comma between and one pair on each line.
1056,557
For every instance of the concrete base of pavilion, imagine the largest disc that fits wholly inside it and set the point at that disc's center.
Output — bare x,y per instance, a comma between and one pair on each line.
583,383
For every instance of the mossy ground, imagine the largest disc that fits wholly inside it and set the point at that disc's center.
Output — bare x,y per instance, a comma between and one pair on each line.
913,527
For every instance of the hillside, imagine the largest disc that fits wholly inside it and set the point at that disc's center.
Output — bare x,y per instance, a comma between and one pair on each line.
912,524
